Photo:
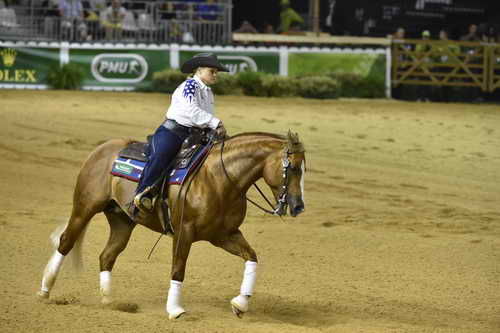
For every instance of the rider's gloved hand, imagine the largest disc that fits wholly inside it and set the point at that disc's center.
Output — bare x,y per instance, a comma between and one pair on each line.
221,131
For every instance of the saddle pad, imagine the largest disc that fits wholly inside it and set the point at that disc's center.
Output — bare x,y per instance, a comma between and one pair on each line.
128,168
132,169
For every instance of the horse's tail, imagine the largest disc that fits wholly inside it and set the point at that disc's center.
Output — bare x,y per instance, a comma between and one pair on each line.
75,255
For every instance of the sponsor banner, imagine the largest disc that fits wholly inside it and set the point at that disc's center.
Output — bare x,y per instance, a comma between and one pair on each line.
268,62
367,65
26,66
119,67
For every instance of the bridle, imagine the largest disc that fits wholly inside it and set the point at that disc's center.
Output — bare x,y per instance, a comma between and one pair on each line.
281,204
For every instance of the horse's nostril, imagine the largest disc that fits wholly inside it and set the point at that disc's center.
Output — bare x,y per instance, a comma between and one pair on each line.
297,210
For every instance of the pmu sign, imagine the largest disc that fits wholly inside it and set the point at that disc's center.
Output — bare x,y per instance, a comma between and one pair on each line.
240,61
237,64
119,68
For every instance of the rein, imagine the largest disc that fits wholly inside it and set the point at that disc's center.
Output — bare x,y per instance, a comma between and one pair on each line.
281,203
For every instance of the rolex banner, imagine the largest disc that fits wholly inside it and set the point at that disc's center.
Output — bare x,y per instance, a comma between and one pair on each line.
26,66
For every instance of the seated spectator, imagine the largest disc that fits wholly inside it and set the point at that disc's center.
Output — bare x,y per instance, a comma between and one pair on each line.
246,28
399,34
113,20
424,91
97,5
91,19
268,28
290,20
446,53
165,10
209,10
487,33
472,35
72,20
49,8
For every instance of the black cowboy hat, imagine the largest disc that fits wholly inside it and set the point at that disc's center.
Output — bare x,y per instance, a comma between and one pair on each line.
202,60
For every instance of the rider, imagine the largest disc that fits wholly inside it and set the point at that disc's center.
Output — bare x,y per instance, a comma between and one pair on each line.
192,105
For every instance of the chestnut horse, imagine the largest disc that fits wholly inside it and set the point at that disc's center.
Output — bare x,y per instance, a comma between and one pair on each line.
212,208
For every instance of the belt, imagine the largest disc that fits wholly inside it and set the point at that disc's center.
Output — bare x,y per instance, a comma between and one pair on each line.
181,130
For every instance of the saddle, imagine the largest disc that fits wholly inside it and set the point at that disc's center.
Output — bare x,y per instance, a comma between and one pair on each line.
131,161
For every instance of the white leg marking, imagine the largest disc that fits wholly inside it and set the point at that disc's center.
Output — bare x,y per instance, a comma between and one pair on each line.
50,274
174,307
240,302
105,287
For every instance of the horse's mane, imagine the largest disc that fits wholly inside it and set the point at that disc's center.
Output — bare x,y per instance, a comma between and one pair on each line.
291,139
263,134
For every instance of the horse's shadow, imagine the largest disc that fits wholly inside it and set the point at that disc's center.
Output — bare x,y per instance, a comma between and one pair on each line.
322,313
275,308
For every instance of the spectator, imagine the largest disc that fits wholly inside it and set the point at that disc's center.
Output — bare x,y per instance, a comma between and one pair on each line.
487,33
472,35
209,11
399,34
165,10
446,53
91,19
72,20
246,28
113,20
268,28
405,92
422,49
290,20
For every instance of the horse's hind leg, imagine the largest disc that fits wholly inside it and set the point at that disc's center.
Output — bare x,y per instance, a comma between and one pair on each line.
121,228
65,241
237,244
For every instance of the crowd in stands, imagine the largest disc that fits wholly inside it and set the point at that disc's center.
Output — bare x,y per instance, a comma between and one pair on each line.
85,20
443,53
290,22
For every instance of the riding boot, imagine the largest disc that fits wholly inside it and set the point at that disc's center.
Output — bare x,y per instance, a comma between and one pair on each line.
164,146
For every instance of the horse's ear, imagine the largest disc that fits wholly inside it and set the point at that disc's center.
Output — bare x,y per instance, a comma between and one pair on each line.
294,144
293,138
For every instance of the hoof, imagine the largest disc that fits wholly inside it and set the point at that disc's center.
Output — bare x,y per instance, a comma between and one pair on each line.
239,305
43,295
237,312
106,300
175,313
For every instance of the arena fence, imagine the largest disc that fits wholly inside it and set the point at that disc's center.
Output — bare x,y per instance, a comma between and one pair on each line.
145,22
437,63
106,66
494,77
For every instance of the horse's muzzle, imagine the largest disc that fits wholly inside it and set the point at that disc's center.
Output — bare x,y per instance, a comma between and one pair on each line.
296,205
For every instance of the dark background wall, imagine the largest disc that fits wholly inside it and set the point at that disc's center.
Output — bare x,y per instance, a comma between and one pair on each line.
379,17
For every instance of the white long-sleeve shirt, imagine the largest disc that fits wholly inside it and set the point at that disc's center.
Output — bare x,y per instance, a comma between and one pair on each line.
193,105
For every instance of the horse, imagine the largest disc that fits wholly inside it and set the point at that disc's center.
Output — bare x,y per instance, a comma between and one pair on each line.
211,209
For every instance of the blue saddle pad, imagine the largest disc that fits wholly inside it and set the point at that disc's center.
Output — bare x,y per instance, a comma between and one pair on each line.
132,169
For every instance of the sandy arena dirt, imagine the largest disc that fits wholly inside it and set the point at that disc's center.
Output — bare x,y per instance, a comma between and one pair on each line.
401,231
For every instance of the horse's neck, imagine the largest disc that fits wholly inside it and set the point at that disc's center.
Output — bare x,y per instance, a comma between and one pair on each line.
245,163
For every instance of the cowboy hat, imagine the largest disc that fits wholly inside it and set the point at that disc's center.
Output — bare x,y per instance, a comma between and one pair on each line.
202,60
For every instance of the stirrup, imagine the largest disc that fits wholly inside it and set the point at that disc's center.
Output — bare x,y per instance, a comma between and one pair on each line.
143,203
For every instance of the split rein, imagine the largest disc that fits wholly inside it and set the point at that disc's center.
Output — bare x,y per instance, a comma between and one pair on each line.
281,206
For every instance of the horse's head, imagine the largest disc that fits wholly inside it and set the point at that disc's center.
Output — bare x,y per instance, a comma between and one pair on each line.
287,180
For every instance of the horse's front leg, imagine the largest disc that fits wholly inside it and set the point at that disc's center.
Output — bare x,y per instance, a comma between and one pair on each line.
237,244
181,246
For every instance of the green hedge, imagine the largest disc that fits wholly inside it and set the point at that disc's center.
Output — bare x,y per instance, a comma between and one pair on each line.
66,77
328,85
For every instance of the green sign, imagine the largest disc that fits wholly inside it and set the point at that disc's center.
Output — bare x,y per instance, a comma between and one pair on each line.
320,63
119,68
26,65
268,62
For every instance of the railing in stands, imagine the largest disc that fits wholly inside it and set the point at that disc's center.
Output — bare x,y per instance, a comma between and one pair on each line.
149,22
